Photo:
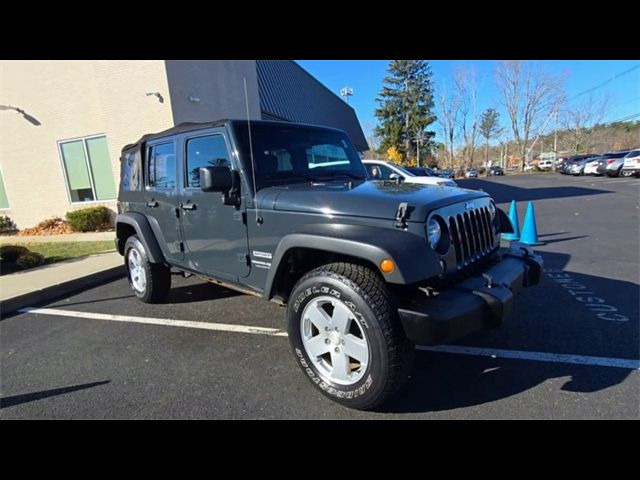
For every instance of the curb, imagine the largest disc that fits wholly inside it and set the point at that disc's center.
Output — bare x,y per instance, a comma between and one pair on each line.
11,304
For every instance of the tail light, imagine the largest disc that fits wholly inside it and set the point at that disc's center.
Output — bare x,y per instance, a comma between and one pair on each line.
610,161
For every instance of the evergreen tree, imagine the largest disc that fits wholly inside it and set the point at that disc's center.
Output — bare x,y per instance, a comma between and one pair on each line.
489,128
406,108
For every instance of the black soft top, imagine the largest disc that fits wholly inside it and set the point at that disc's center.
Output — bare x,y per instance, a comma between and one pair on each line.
181,127
191,126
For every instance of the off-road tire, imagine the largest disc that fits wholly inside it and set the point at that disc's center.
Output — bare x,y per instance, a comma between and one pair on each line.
158,275
390,352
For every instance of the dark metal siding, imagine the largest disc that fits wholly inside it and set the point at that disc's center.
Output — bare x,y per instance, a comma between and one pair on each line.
288,92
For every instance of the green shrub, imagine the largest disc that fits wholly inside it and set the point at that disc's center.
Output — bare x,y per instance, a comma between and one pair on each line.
7,225
29,260
89,219
10,253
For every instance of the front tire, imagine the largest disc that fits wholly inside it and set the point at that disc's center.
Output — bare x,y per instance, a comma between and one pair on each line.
150,282
346,335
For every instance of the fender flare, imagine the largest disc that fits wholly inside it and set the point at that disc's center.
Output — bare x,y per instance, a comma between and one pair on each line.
141,225
413,258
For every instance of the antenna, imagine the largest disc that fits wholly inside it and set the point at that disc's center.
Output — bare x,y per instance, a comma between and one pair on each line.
253,164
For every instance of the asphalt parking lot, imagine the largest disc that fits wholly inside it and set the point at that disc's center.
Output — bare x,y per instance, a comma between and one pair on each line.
571,349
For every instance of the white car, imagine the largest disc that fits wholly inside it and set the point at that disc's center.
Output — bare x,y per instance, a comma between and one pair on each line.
631,165
545,164
383,170
591,167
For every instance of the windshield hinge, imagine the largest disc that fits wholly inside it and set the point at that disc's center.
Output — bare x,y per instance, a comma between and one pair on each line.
401,215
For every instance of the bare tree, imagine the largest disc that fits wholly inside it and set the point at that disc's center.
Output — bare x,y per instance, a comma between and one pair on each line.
467,94
580,121
528,92
448,119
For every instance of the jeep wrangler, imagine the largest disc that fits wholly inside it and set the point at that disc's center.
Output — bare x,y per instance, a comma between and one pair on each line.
366,269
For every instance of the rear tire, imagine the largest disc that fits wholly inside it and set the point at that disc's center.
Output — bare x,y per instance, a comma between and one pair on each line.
150,282
346,335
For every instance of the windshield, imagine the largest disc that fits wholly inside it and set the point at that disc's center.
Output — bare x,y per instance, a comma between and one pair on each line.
293,154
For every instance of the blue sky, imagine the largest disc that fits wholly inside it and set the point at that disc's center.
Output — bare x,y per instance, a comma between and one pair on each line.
365,77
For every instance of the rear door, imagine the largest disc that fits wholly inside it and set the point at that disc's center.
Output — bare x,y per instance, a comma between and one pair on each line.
215,234
161,196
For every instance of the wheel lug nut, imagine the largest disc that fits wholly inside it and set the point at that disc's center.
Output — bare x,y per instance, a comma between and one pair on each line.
337,350
327,341
343,342
326,329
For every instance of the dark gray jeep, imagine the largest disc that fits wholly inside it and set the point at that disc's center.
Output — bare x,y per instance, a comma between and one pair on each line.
366,269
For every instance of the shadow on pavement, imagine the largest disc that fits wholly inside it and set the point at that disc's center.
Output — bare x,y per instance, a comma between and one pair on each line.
31,397
548,319
503,193
200,292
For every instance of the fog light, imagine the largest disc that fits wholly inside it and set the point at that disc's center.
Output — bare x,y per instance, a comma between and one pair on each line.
387,265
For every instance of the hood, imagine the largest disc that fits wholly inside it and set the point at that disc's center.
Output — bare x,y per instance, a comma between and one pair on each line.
373,199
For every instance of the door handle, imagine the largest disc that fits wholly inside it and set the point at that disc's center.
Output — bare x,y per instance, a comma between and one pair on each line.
188,206
152,204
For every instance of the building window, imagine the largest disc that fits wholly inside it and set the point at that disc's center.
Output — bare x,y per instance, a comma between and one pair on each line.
210,151
162,166
4,201
88,169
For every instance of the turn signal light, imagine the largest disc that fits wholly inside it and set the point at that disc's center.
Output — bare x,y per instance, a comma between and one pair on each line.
387,265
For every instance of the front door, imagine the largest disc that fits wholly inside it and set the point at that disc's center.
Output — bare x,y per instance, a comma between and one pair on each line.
215,234
161,197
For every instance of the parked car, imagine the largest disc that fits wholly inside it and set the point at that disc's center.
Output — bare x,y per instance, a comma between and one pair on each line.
577,167
591,167
631,165
284,212
495,171
383,170
471,173
446,173
563,163
422,171
609,158
545,164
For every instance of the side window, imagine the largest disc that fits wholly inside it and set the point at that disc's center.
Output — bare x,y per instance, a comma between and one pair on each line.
378,171
161,166
210,151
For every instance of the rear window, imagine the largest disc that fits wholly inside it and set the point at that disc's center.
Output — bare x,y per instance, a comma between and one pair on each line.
633,153
131,171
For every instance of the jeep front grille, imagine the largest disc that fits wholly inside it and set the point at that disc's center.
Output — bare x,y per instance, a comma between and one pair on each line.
472,235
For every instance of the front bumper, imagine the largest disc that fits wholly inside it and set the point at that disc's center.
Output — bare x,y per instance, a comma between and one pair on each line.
475,303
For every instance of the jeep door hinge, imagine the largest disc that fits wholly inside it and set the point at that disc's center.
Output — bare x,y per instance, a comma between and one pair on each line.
240,216
401,215
244,258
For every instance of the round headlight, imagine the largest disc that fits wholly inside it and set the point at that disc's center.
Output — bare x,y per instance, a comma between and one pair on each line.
492,210
434,232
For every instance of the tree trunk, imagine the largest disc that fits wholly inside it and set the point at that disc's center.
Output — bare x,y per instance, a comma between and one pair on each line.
486,156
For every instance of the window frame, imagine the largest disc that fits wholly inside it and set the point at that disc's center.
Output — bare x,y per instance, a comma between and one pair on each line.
4,185
185,155
84,139
147,157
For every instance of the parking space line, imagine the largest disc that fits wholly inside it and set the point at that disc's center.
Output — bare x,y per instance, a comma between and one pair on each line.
223,327
625,363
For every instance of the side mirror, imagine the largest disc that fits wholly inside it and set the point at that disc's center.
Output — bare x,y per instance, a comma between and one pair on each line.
215,179
394,176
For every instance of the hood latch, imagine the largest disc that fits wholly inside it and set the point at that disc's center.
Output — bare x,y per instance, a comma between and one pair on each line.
401,215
